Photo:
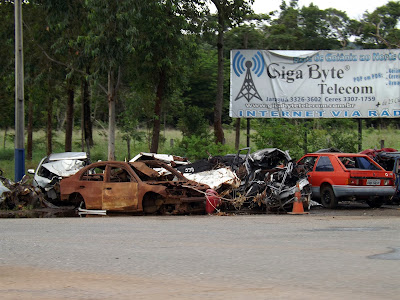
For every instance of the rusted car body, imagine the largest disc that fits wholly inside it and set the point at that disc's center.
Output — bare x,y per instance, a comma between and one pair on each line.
142,186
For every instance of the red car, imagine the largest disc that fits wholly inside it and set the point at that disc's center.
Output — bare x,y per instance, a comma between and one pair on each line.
347,176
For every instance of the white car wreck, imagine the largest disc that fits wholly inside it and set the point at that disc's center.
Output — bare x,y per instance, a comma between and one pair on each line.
56,166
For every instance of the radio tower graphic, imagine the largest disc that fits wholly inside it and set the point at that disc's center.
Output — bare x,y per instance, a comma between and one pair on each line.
248,90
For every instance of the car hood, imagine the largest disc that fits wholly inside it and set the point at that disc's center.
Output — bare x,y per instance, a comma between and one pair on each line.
64,168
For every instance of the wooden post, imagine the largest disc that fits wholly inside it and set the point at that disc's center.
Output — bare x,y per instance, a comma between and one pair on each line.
248,132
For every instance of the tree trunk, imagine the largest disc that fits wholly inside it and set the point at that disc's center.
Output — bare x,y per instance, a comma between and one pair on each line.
218,131
128,144
111,116
82,116
237,135
49,130
157,114
70,118
5,137
30,129
87,119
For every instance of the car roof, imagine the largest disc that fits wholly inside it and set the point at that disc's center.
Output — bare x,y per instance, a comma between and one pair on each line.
389,154
337,154
67,155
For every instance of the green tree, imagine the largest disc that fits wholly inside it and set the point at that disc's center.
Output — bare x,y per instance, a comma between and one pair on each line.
165,47
379,28
316,28
109,41
7,64
284,32
340,27
202,89
229,13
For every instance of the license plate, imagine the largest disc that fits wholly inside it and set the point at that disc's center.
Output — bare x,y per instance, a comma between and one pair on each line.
373,182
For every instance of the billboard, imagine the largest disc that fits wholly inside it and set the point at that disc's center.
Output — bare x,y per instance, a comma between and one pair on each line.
315,84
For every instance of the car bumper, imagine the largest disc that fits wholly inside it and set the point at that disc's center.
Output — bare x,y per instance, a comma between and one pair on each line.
363,191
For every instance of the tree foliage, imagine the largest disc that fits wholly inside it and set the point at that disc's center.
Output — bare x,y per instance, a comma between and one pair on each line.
150,61
379,28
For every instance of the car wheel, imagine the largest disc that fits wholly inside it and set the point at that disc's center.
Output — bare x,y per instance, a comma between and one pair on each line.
77,200
375,202
328,198
152,203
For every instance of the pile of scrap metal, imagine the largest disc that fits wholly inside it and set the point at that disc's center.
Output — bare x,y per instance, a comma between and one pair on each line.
261,181
389,159
374,153
171,160
21,195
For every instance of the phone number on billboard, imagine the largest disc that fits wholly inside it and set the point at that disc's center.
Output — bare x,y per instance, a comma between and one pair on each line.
329,99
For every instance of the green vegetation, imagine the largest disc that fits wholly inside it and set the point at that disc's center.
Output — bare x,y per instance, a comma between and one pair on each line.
195,147
102,69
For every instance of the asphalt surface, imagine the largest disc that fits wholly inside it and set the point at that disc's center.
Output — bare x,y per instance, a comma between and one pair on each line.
349,253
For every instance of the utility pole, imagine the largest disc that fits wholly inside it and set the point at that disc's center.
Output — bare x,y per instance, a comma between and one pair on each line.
19,149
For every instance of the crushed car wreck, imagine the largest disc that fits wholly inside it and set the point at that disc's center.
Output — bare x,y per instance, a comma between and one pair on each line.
21,195
264,180
54,167
135,187
389,159
269,181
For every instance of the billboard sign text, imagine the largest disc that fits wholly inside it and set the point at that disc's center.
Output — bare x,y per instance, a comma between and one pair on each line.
315,84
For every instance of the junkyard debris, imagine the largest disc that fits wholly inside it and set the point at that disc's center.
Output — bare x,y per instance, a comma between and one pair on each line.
264,180
21,195
54,167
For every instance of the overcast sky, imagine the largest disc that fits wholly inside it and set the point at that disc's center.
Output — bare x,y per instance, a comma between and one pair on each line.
353,8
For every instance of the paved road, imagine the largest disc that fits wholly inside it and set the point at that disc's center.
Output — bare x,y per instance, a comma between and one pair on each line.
315,256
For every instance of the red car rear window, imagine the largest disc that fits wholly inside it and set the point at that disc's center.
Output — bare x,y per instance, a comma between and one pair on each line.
324,165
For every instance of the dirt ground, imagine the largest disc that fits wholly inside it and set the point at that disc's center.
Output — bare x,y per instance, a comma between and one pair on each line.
34,283
23,282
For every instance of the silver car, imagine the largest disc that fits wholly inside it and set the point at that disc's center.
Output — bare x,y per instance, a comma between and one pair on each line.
56,166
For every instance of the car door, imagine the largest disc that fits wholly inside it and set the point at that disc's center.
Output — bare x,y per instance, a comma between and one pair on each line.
320,170
89,185
120,190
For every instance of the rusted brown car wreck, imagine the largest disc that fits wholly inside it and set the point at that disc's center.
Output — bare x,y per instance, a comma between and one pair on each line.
137,187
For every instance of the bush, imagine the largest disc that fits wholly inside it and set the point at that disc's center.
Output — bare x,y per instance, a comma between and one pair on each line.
196,147
344,140
279,133
6,154
192,122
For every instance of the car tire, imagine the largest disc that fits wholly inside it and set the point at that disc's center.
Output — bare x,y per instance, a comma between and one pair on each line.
77,200
328,198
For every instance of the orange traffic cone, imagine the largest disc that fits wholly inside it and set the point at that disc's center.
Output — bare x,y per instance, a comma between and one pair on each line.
298,208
